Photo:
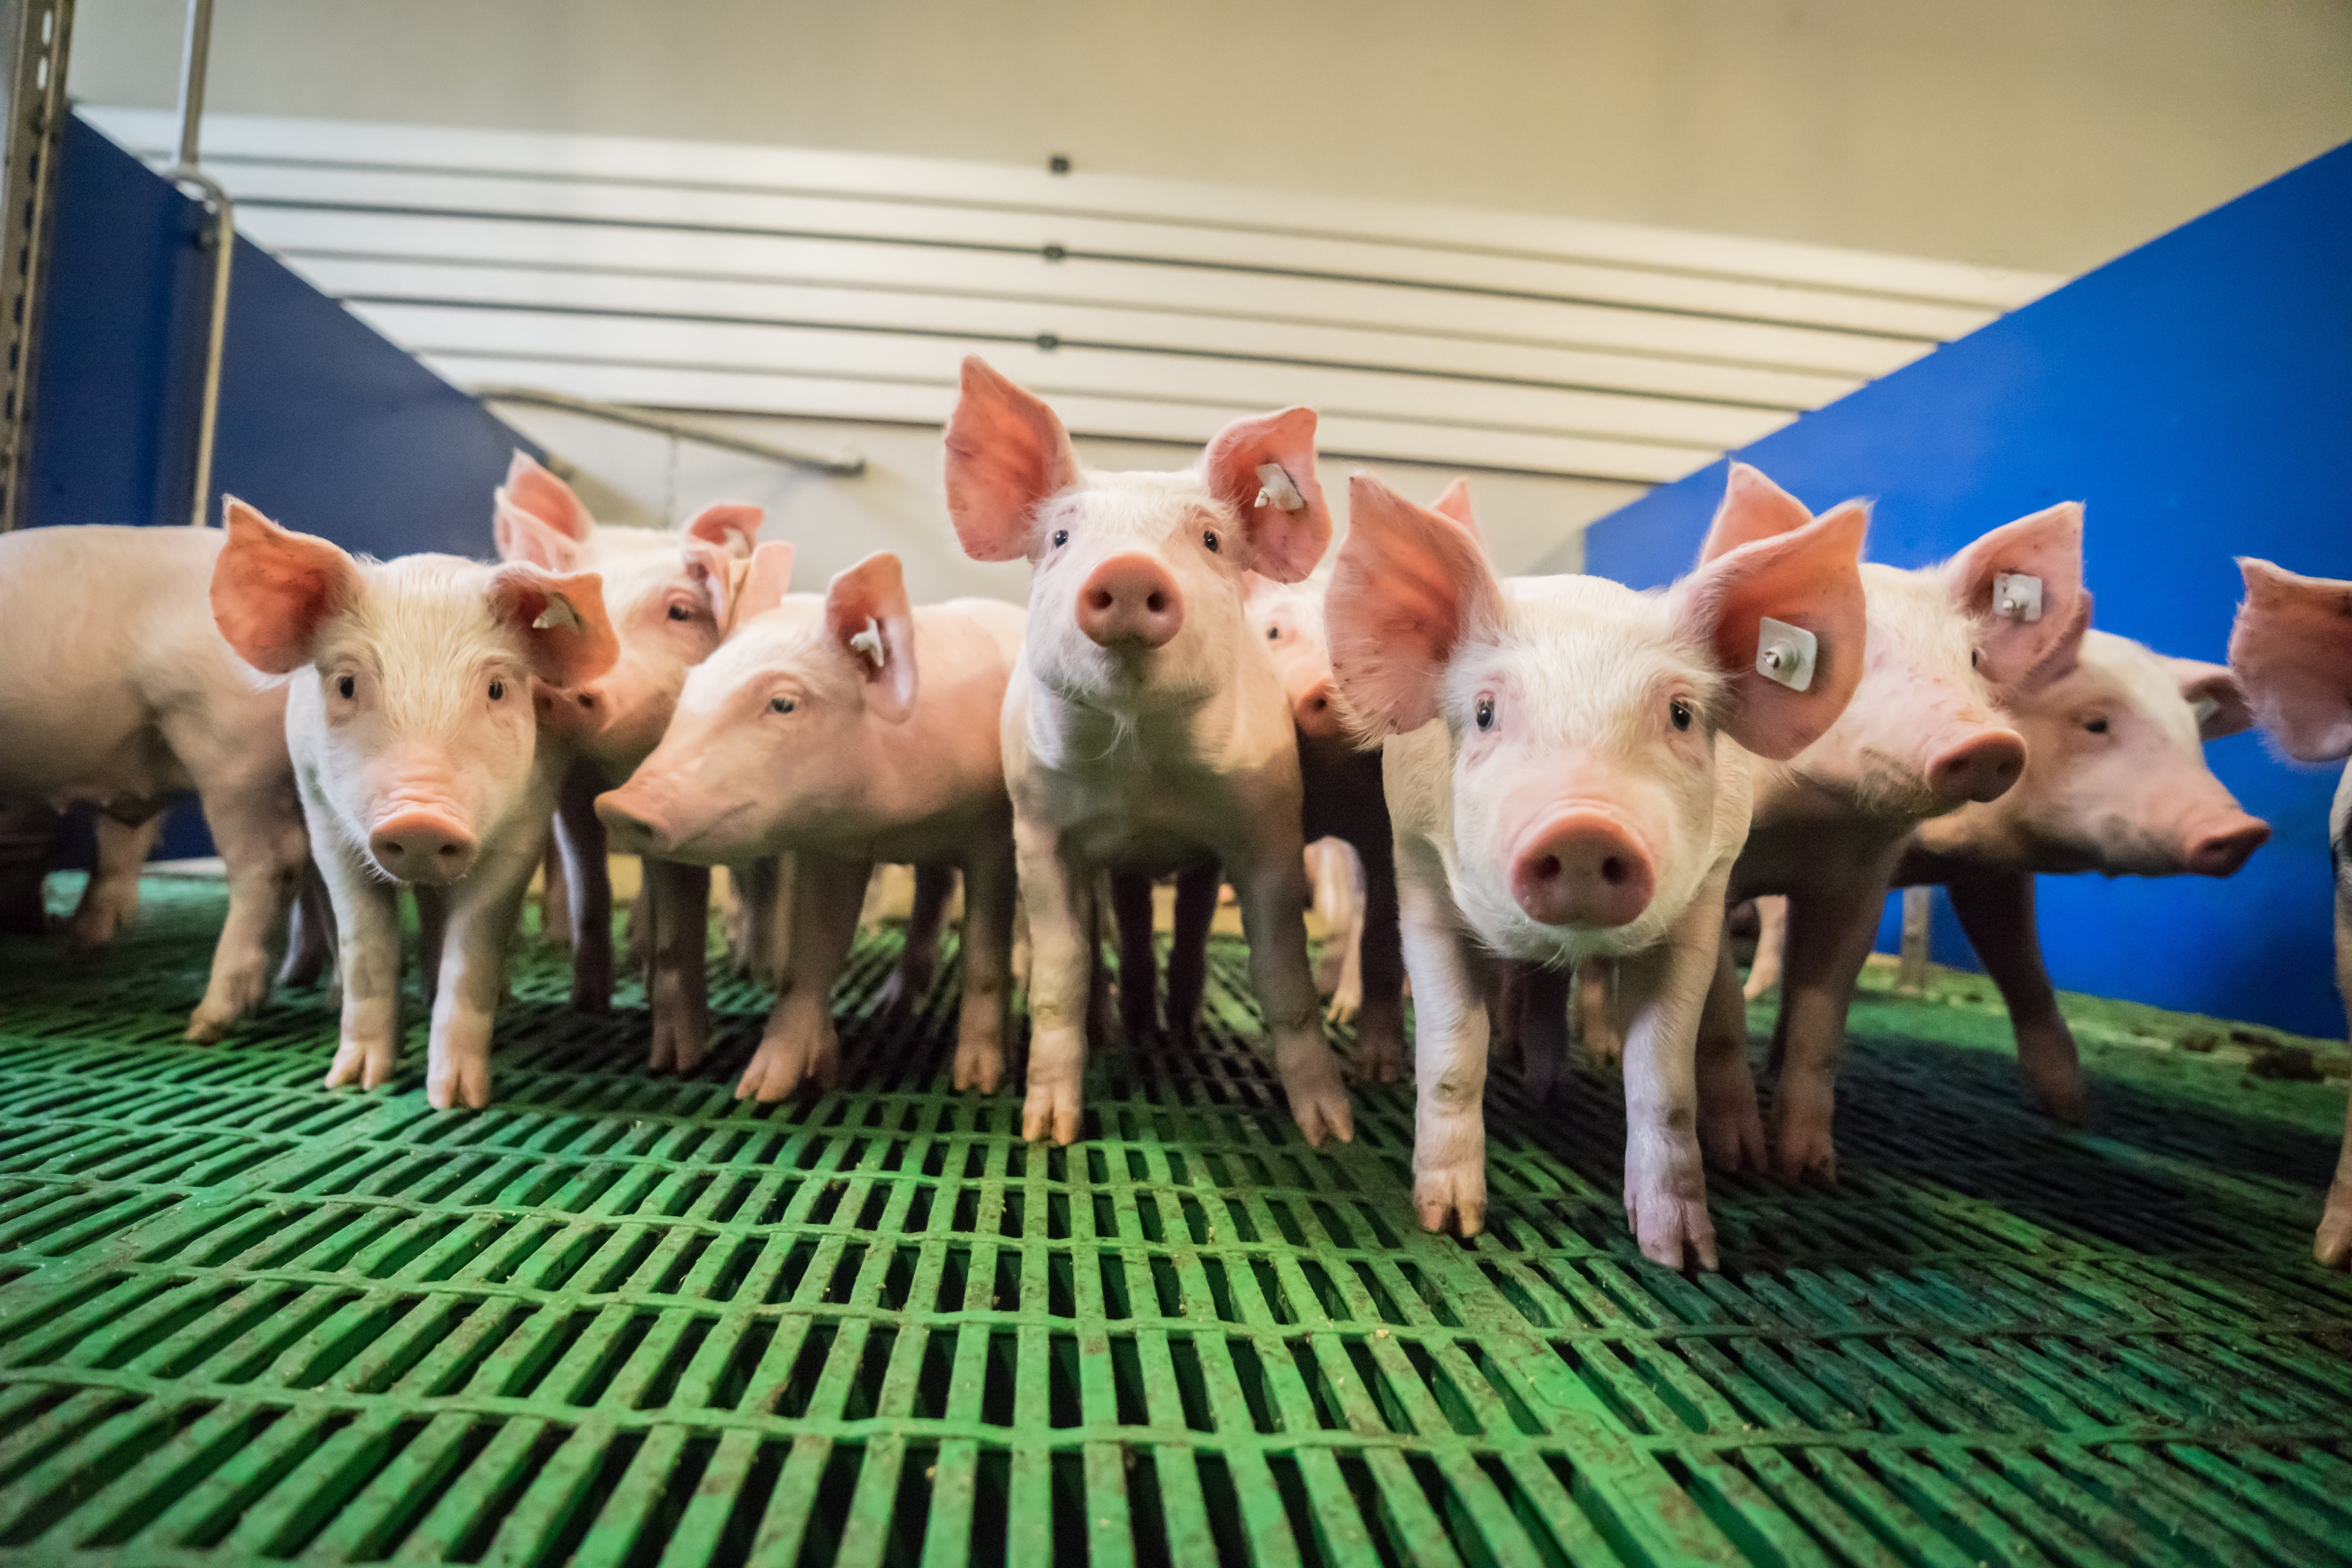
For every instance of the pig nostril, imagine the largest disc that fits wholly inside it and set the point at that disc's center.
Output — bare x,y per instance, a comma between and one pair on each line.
1614,871
1547,868
1155,603
448,850
1099,599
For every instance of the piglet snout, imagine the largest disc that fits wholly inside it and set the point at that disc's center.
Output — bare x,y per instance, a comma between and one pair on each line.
1581,869
1131,601
1980,767
1316,711
2220,854
630,825
422,844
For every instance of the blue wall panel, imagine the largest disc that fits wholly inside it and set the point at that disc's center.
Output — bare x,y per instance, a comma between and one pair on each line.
2197,393
324,425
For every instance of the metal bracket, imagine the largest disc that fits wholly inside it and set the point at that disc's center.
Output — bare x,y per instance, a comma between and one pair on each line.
35,35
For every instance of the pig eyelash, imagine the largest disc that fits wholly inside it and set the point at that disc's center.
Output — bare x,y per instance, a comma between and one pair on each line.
780,705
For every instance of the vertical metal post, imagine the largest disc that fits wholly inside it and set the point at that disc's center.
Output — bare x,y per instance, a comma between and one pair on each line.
35,36
1918,904
193,57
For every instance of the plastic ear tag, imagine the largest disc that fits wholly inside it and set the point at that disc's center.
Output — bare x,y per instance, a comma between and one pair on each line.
1278,490
2017,596
1786,654
869,643
558,613
2205,708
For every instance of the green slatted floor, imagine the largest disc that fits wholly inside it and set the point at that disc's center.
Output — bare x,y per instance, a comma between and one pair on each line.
620,1319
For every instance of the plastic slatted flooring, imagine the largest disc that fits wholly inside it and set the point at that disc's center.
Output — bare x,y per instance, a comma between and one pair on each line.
622,1319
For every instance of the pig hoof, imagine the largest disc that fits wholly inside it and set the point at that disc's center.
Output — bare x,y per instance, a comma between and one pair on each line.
203,1028
588,999
783,1061
679,1050
1052,1111
1674,1231
2054,1082
1346,1003
1451,1197
1806,1154
464,1082
979,1065
1379,1060
2332,1245
1319,1099
1734,1139
96,926
1603,1048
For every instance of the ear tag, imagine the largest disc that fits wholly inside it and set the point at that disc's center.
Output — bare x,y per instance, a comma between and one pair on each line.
1278,491
2017,596
869,643
2205,708
1786,654
558,613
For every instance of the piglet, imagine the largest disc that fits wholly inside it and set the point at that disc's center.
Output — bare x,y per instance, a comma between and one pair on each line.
2291,650
844,728
1567,769
1144,729
417,751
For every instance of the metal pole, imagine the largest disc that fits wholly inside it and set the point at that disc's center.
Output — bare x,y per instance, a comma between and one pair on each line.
33,38
1918,904
193,56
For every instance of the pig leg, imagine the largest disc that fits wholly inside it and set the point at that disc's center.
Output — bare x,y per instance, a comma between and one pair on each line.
919,957
111,897
1064,950
800,1042
1597,1014
588,887
1771,936
1665,1179
678,987
988,893
1542,998
1138,955
1271,882
1997,913
1730,1127
367,956
478,920
1831,930
257,824
1449,1134
2332,1245
28,831
1380,1027
309,933
555,898
432,934
1188,952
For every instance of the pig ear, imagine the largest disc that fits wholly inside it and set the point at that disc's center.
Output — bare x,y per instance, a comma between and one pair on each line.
273,589
866,615
1006,453
730,525
1809,578
2046,548
713,571
1285,543
1454,501
566,634
2213,691
1409,588
761,582
2292,648
1753,508
530,487
2066,654
525,536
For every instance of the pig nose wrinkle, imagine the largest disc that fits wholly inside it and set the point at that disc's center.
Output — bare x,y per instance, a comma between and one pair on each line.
1130,600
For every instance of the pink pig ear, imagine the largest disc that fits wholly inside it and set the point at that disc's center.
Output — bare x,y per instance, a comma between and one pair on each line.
2041,554
2292,648
2065,655
273,589
1006,453
530,487
1283,544
1454,501
1753,508
761,582
525,536
1809,578
733,526
566,634
713,571
2215,692
1409,588
866,615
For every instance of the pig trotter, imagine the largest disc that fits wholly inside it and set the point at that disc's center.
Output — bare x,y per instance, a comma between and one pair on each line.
1379,1051
1604,1043
1056,1074
1665,1204
2053,1072
979,1063
2332,1245
798,1045
1311,1076
1451,1194
1730,1127
367,1063
1803,1149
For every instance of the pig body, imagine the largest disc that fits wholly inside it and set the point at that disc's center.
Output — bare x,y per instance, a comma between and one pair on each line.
1145,727
2292,652
847,730
1568,770
127,705
414,725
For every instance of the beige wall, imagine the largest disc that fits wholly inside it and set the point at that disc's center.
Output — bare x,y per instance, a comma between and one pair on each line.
2040,133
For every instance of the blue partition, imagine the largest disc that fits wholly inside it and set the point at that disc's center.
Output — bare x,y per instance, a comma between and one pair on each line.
2197,393
324,425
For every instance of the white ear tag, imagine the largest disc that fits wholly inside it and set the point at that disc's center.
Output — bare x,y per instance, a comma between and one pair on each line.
1278,491
2017,596
2205,708
869,643
558,613
1786,654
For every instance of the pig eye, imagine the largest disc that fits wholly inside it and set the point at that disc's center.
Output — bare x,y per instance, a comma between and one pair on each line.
1976,658
1274,634
1680,712
1061,537
345,686
498,690
779,705
681,613
2096,726
1209,540
1486,713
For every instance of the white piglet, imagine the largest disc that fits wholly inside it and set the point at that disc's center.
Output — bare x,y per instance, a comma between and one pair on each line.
419,757
1568,770
1145,727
